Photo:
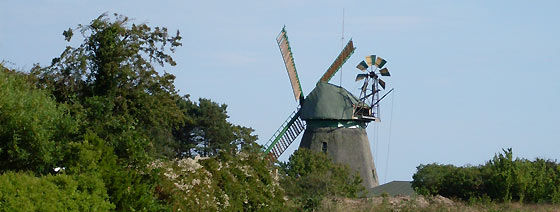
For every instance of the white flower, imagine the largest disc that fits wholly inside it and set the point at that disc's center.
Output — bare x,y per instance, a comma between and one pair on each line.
189,164
242,156
245,170
170,174
226,200
195,181
208,181
155,164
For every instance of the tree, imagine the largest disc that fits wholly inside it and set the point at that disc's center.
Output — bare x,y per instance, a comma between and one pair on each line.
240,181
118,99
111,81
33,127
309,176
25,192
207,131
499,179
103,112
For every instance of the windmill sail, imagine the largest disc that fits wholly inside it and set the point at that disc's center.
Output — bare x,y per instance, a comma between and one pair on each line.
284,136
363,66
339,61
286,51
385,72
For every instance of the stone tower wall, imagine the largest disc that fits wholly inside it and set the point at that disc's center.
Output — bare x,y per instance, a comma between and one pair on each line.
348,146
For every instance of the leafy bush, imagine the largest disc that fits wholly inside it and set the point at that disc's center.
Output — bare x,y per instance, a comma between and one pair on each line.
33,128
500,179
129,188
240,181
309,176
101,111
25,192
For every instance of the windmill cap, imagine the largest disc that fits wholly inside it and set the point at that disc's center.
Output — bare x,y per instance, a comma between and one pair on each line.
328,101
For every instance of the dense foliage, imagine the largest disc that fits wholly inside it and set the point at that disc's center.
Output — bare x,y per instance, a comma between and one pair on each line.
102,129
309,177
206,130
113,87
228,182
25,192
500,179
100,113
33,127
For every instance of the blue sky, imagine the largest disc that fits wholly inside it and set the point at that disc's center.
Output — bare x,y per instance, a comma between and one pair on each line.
470,77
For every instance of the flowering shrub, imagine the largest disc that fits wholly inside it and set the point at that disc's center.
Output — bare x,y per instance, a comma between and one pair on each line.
228,182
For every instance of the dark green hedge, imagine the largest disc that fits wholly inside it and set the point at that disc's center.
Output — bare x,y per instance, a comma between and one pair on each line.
500,179
33,127
24,192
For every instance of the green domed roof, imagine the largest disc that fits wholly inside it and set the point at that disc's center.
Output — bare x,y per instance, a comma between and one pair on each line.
328,101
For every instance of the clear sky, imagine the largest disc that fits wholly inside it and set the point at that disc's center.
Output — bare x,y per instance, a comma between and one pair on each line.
470,77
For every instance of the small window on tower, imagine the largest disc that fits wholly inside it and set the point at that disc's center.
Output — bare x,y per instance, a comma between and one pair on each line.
325,147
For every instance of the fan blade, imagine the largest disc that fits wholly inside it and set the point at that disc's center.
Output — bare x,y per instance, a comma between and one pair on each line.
361,77
286,52
338,62
370,59
380,62
385,72
362,66
382,83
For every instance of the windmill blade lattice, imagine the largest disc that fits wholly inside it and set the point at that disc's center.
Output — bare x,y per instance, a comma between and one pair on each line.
339,61
284,136
286,52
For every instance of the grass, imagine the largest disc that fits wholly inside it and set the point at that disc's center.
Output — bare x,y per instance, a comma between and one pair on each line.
431,204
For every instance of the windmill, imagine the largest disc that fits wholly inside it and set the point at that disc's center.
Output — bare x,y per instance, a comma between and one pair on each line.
333,120
371,95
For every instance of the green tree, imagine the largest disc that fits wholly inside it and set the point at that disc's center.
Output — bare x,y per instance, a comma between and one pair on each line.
112,82
429,178
238,181
125,108
500,179
207,131
33,127
309,176
129,188
102,112
20,191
